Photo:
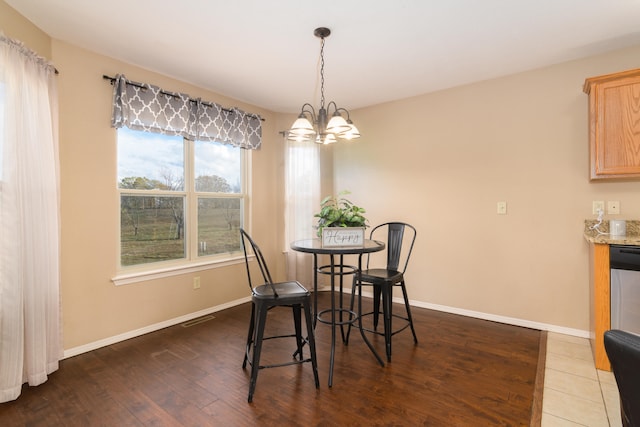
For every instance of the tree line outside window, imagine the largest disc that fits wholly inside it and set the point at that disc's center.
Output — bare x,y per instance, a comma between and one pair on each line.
179,199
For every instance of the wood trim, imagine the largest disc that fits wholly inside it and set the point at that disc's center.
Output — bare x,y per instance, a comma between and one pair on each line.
589,82
593,134
601,302
536,406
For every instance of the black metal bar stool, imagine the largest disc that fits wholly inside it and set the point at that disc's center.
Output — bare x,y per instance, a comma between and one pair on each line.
400,238
264,298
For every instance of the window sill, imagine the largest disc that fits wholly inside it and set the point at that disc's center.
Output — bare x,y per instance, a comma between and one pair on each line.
143,276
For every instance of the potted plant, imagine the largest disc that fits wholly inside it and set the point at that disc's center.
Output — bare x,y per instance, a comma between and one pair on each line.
337,211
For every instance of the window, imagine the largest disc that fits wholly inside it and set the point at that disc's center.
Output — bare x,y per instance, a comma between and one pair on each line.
180,200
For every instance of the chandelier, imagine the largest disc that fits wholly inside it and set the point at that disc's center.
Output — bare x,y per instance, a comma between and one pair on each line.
312,126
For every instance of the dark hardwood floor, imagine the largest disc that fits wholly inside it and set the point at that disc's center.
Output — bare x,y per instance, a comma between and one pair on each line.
463,372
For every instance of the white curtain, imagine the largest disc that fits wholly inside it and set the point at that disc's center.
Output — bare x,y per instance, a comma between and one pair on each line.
302,165
30,341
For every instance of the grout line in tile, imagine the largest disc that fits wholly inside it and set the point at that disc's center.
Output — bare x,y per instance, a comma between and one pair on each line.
568,358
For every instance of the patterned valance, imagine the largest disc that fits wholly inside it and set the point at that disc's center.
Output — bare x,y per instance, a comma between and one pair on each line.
145,107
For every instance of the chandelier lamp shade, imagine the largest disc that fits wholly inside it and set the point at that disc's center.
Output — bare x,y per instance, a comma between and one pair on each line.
327,124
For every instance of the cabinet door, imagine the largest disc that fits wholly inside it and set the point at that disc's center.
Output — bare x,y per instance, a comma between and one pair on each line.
615,129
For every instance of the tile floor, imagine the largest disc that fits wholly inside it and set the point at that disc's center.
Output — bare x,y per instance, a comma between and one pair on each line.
575,392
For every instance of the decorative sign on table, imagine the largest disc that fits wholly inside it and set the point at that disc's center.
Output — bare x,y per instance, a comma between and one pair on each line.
342,236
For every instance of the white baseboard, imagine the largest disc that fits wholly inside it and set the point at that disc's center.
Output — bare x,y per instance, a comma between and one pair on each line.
151,328
487,316
500,319
453,310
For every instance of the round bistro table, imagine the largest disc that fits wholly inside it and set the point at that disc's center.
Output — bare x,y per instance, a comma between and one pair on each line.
315,247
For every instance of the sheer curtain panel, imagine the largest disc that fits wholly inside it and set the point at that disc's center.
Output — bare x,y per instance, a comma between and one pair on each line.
302,165
30,338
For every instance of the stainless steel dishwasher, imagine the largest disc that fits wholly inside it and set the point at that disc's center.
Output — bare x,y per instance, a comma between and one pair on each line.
625,288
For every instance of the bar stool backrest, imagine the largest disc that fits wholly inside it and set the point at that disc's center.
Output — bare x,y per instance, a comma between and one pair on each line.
399,246
266,276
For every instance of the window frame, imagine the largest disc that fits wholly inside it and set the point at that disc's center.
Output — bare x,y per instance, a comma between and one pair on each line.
192,261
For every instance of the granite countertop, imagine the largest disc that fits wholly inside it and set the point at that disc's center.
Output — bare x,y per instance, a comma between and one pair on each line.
631,238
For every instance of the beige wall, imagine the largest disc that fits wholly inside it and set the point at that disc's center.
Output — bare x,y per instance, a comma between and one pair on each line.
440,161
14,25
443,160
93,307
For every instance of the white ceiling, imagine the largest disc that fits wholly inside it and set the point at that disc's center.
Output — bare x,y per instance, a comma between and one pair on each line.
264,52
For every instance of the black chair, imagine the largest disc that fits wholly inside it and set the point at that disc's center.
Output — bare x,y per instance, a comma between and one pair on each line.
623,350
265,297
400,238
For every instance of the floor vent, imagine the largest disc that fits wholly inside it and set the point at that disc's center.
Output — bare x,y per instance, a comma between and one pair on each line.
197,321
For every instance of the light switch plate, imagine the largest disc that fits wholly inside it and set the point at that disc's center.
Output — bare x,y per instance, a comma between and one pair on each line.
613,207
502,208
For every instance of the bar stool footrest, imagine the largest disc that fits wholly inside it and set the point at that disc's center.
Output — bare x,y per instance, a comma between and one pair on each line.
353,316
395,331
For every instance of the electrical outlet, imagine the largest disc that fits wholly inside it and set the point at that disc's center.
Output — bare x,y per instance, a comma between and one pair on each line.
196,282
502,208
613,207
597,205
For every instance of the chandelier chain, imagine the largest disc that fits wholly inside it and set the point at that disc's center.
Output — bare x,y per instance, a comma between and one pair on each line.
322,74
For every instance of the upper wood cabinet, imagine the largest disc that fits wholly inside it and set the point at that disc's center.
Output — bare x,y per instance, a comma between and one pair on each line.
614,125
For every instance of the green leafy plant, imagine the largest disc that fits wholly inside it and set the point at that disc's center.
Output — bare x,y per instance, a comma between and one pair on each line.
336,211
